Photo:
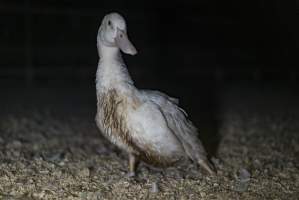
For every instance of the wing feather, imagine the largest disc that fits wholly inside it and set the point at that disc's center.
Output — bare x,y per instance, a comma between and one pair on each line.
177,121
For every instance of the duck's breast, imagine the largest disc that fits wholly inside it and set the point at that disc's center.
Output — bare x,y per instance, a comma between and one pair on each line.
111,116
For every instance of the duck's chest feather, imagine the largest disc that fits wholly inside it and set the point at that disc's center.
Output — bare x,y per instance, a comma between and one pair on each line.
111,118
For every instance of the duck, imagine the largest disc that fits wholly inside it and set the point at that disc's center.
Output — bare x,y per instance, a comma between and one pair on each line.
146,124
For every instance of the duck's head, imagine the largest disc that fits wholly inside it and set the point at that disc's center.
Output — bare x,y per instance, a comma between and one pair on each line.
113,33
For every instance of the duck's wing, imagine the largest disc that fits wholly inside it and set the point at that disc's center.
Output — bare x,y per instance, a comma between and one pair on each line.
150,133
159,97
183,128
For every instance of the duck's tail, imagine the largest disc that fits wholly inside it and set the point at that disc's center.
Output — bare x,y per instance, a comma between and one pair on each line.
208,166
187,134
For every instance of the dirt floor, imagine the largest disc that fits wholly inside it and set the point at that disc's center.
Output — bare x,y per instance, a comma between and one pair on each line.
51,149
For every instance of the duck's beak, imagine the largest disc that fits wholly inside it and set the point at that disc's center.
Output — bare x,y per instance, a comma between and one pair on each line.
123,42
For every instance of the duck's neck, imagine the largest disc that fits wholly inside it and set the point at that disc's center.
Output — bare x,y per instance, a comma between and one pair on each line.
110,53
112,71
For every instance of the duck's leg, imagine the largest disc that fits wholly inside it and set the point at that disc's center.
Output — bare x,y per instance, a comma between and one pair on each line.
133,163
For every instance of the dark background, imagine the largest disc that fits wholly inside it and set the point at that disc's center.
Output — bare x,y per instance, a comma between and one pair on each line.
193,50
233,64
190,41
198,51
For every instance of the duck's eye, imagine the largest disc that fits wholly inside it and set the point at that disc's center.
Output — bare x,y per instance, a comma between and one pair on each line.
109,23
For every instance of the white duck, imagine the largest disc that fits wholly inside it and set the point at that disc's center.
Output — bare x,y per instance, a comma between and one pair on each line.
147,124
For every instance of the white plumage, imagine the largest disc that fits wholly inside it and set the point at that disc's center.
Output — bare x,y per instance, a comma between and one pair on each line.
147,124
